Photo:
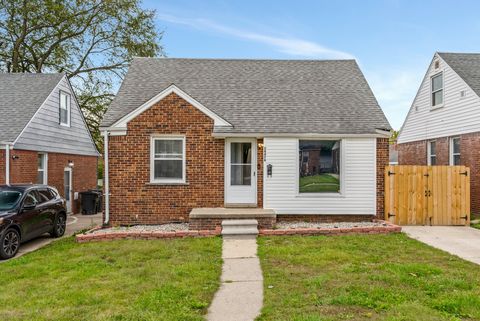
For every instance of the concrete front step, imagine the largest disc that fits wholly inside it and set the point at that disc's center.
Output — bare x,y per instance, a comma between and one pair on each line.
239,227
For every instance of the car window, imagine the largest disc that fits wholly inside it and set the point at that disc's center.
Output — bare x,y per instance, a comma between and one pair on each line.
8,199
53,192
31,199
44,195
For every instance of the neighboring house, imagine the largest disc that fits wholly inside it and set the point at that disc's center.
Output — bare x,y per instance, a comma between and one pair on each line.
306,139
443,124
43,136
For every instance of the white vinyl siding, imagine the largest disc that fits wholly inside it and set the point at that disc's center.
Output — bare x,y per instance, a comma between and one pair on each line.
459,115
358,194
45,134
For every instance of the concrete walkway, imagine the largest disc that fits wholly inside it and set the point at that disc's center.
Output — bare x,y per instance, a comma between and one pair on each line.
75,223
462,241
240,296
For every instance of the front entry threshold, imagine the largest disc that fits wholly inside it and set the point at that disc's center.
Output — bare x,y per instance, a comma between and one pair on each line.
240,205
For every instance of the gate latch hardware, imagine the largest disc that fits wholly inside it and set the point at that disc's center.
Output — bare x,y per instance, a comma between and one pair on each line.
390,215
390,173
464,217
464,173
428,193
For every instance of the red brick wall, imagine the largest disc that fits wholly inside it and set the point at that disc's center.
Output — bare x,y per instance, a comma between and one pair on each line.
382,161
23,169
133,199
415,153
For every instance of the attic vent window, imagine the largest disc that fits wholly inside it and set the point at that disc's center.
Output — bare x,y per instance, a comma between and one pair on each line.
437,64
463,94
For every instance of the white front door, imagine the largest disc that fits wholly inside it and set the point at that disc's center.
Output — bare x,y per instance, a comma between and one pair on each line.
67,187
241,171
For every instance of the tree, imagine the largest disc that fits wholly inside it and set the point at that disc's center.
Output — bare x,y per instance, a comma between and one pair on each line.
91,41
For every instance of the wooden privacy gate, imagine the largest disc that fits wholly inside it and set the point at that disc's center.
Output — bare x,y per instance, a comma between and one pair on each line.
427,195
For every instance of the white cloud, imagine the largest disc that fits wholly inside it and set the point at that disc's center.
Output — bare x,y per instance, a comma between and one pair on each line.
288,45
395,91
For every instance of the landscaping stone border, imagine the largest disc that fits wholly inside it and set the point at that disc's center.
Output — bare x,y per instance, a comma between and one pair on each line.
149,235
144,235
388,228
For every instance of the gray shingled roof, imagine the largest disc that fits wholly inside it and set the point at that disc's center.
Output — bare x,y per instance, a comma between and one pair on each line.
21,95
466,65
266,96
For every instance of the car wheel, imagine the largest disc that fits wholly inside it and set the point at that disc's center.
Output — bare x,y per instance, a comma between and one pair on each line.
59,226
10,243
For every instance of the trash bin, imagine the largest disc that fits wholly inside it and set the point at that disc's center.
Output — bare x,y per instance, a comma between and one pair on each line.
89,202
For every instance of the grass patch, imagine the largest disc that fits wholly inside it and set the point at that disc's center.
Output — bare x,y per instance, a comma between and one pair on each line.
475,225
365,277
117,280
319,183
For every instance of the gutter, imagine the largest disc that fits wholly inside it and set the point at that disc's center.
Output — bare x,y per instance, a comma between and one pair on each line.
106,186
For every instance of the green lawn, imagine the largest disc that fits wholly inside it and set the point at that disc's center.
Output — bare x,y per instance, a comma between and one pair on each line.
118,280
365,277
319,183
475,225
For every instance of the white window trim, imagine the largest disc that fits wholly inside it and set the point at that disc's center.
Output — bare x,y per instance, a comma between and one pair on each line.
154,180
450,149
69,107
429,151
45,168
341,193
432,92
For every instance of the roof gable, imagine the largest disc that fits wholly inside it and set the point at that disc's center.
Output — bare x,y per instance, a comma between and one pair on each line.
467,66
260,96
21,96
218,121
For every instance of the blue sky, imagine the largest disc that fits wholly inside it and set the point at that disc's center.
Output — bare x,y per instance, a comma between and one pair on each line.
393,40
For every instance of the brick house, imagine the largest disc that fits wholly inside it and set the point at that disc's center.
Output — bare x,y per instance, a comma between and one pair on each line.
204,139
43,136
443,124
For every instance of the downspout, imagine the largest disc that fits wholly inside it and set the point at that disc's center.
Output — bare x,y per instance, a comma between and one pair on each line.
105,175
7,164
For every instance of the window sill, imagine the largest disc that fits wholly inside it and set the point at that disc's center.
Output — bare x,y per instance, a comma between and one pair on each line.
320,195
167,183
432,108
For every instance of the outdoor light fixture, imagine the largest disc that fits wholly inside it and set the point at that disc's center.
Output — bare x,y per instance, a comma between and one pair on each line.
15,157
70,163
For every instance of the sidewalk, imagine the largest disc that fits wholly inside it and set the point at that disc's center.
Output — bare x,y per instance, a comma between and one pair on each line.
240,296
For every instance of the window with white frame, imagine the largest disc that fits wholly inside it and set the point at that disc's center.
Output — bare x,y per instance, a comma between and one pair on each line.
42,169
319,166
455,151
167,159
437,90
432,153
64,112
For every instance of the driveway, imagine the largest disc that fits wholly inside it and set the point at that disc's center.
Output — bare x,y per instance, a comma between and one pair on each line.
75,223
462,241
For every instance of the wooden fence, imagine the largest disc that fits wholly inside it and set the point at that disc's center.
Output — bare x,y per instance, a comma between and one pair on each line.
427,195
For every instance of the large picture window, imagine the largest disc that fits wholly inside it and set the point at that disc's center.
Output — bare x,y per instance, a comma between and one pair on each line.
168,160
319,166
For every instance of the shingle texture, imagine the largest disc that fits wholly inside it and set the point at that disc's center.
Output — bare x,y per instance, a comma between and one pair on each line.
264,96
467,66
21,95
